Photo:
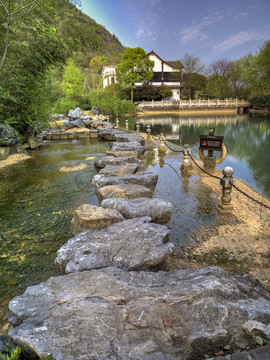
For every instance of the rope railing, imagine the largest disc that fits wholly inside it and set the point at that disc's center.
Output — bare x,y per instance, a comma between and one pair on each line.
213,176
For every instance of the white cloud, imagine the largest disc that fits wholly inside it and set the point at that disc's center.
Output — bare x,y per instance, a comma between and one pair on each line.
196,32
238,39
148,26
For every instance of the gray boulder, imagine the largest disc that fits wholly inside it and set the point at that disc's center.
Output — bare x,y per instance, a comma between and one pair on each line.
130,244
93,217
73,123
125,191
75,114
8,136
159,210
128,146
119,170
147,180
111,160
115,314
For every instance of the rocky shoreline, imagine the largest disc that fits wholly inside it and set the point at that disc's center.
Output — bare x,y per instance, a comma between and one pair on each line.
112,303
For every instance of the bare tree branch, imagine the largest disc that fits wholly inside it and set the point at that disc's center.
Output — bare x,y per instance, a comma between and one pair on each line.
24,7
3,6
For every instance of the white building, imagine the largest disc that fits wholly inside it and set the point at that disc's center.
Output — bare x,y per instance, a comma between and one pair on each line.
166,72
108,75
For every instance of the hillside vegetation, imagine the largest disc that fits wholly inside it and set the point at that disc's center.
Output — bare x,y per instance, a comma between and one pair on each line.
39,40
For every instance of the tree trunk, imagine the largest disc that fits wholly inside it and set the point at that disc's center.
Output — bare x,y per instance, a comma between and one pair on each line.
131,94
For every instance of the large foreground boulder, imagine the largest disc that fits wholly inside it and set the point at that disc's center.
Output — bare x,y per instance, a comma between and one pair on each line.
148,180
159,210
93,217
115,314
111,160
130,244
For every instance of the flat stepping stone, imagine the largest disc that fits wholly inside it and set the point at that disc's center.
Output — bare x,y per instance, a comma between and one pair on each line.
130,244
159,210
128,146
93,217
114,170
114,314
125,191
147,180
121,136
119,154
111,160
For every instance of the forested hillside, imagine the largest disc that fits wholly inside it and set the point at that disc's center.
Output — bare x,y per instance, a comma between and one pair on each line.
37,37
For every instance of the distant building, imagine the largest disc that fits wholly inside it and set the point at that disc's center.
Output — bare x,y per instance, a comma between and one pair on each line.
109,75
166,72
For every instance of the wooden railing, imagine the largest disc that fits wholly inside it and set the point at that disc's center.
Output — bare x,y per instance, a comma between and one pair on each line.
217,103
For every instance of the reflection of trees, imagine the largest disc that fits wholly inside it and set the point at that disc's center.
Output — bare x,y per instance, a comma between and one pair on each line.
247,138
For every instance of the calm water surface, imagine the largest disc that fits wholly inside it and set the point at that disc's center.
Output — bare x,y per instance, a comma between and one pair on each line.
37,200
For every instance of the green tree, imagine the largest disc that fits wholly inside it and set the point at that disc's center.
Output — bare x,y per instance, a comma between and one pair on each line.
221,73
135,66
72,84
165,92
97,63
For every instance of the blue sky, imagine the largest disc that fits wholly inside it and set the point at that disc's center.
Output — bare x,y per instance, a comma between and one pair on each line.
210,29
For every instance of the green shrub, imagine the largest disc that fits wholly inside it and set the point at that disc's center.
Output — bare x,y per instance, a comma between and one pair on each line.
63,105
109,104
11,354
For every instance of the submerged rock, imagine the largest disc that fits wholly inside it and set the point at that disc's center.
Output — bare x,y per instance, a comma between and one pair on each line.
115,314
129,244
73,166
159,210
148,180
93,217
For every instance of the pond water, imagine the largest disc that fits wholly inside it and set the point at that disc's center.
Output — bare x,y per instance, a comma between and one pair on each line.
37,200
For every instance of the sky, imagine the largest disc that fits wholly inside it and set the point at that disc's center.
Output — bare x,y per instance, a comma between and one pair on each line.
209,29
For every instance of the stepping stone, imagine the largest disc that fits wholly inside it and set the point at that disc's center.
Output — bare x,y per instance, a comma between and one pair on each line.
147,180
111,160
159,210
127,146
125,191
121,136
93,217
114,170
130,244
119,154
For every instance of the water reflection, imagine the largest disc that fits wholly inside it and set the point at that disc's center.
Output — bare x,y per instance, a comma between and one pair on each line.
247,139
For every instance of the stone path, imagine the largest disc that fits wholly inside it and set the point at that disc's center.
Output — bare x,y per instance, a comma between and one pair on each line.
106,307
